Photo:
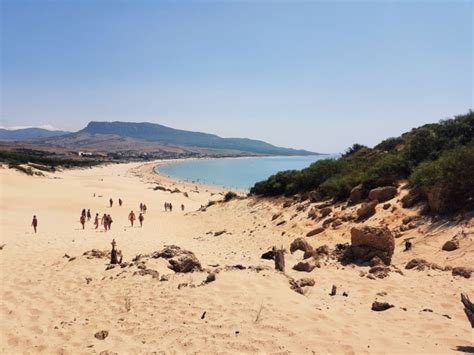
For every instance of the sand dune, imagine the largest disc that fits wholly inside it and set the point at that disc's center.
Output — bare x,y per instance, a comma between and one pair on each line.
54,299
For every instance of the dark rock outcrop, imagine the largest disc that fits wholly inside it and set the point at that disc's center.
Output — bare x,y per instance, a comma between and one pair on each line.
315,231
300,244
367,210
369,242
382,194
357,194
381,306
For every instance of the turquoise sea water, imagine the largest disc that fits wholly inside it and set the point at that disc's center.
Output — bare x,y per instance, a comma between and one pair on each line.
235,173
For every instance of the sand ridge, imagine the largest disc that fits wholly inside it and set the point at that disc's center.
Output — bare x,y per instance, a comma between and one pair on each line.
53,299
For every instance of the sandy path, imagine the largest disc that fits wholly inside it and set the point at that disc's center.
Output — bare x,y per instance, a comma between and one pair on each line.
52,305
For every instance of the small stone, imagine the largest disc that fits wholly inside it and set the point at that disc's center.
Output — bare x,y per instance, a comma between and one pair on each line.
101,335
381,306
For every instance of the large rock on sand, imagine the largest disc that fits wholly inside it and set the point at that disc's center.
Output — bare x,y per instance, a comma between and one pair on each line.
382,194
369,242
367,210
357,194
300,244
185,263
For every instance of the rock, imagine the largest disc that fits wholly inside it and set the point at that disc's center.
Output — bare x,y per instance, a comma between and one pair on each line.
369,242
326,211
313,213
333,290
411,199
336,223
101,335
314,196
387,206
300,244
276,216
379,271
185,263
143,272
279,259
382,194
376,261
306,266
315,231
357,194
216,234
306,282
210,278
287,204
417,264
168,252
381,306
269,255
165,278
462,271
328,221
108,352
451,245
366,210
439,200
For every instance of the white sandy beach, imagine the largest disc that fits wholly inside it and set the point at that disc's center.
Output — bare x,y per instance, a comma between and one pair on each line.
54,304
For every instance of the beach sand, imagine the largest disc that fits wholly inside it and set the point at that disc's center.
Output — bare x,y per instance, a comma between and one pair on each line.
54,299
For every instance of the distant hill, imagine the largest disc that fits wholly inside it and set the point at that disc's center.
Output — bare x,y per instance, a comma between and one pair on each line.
165,135
29,133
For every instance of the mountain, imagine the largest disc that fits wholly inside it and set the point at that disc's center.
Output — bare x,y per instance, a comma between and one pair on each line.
29,133
165,135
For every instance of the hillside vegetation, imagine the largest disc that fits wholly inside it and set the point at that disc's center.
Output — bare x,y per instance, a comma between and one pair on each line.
437,159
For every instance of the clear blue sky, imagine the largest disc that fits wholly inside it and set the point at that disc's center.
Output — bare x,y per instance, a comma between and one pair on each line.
310,74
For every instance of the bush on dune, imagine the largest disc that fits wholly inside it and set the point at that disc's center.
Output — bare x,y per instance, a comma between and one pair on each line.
437,159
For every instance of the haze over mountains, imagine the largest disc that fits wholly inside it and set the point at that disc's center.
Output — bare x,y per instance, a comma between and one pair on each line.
29,133
146,137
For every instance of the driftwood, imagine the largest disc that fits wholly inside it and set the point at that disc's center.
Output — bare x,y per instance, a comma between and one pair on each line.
113,254
468,308
279,259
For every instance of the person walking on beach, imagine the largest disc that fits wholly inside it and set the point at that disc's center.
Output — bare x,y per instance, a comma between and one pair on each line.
89,216
141,207
171,207
34,223
166,206
141,218
96,221
83,221
104,221
109,221
182,207
83,213
131,217
144,208
111,202
120,202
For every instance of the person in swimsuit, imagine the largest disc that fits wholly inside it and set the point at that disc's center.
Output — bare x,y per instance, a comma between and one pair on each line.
34,223
83,221
131,217
89,216
120,202
96,221
111,202
109,221
141,218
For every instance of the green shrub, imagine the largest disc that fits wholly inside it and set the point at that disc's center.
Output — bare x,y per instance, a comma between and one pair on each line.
449,178
229,196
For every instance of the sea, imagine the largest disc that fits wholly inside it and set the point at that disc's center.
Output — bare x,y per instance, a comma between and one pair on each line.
236,173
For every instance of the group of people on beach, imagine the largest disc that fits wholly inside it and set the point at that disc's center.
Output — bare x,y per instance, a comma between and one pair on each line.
106,219
132,218
169,207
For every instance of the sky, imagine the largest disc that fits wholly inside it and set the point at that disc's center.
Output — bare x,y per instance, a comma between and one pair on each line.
318,75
